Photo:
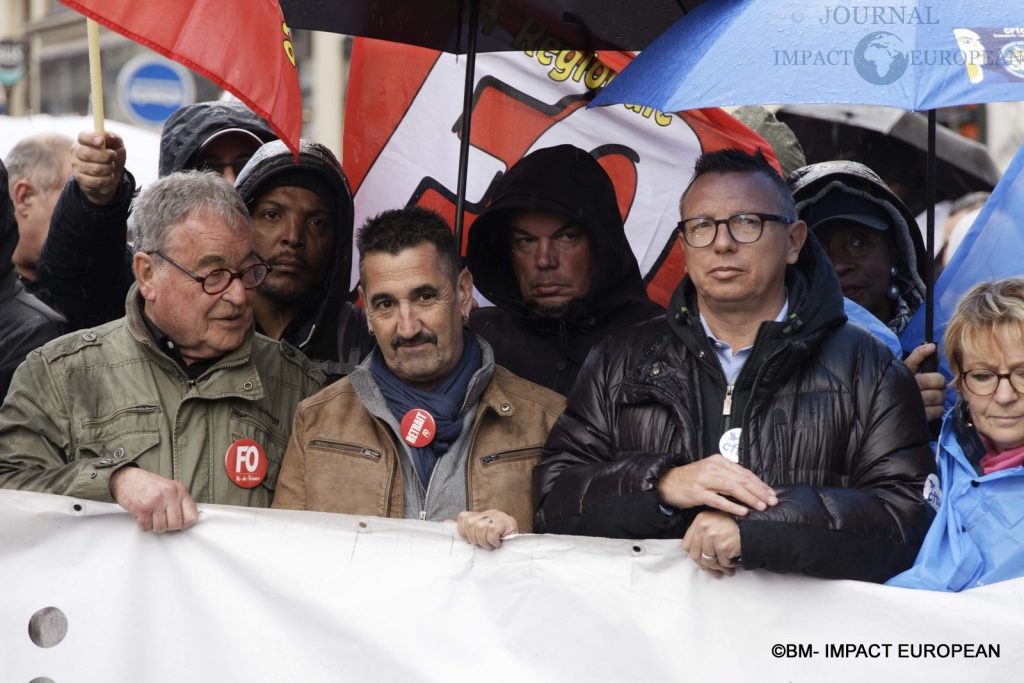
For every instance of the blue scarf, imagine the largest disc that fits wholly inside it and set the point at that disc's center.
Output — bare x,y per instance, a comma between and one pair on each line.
443,403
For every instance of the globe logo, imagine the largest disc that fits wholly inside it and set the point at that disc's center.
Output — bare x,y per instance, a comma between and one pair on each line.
880,58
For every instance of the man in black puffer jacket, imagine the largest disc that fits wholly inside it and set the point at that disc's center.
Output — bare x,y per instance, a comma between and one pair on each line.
25,321
752,420
551,253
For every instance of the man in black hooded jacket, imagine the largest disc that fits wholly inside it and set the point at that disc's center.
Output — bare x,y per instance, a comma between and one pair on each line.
25,321
550,252
751,420
302,226
88,262
85,263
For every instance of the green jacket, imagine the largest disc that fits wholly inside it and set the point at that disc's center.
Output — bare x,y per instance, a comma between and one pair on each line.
88,403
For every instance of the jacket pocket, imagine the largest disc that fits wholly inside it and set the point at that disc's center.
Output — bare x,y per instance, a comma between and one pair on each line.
247,426
136,447
121,434
125,420
350,478
504,481
344,449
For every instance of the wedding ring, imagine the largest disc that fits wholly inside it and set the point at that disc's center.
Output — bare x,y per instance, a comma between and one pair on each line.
707,558
488,519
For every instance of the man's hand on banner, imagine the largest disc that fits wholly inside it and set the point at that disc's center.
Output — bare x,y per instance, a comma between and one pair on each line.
97,163
713,543
487,528
157,503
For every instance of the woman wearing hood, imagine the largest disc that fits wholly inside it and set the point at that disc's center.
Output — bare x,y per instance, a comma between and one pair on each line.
874,243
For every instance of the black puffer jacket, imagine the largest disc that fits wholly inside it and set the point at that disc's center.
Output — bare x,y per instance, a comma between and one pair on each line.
25,321
829,419
86,264
329,329
548,351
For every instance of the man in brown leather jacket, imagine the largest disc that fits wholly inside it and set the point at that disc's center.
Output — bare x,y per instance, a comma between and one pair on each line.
428,426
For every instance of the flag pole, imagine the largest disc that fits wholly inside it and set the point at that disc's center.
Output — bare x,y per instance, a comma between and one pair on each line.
95,75
467,118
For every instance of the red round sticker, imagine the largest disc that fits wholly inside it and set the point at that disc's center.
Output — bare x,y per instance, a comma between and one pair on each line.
418,428
246,463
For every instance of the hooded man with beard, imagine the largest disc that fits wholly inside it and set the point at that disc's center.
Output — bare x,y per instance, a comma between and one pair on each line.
551,253
302,225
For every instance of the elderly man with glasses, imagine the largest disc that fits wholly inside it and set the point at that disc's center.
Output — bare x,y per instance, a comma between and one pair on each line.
751,421
177,403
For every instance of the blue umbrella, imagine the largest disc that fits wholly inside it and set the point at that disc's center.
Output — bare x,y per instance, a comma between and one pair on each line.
912,55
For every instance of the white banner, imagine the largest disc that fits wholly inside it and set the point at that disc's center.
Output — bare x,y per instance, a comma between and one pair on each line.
265,595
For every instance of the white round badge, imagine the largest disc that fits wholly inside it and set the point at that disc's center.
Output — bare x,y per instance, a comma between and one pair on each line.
729,444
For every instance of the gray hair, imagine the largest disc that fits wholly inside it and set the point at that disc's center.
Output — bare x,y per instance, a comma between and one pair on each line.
41,159
171,200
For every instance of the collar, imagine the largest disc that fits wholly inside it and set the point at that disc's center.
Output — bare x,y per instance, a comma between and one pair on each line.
716,343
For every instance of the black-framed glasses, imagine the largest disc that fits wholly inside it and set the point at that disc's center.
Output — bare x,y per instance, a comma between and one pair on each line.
744,228
217,281
986,382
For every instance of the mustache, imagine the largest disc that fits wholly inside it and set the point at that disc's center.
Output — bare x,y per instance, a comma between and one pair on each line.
421,338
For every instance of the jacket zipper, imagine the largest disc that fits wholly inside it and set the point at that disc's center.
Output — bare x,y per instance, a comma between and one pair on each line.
345,448
746,413
517,454
134,410
426,494
727,404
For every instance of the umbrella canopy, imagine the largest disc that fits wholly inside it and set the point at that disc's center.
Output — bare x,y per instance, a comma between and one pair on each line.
504,24
893,143
918,55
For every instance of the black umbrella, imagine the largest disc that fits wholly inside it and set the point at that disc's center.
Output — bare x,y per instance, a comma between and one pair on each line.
472,26
503,24
894,144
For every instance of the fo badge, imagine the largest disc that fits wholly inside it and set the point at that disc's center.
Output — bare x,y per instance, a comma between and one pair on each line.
246,463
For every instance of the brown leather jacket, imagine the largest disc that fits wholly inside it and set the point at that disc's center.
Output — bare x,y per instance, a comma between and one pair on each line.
343,459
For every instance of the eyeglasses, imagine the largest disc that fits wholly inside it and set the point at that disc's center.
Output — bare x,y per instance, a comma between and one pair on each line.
986,382
219,280
744,228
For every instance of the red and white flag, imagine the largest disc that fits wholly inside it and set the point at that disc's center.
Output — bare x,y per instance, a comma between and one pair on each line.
402,129
244,46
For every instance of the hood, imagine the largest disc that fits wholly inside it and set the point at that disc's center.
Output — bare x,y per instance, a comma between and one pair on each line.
8,230
188,128
569,181
811,184
273,159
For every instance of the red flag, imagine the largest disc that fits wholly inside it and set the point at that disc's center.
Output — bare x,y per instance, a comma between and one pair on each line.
401,137
244,46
